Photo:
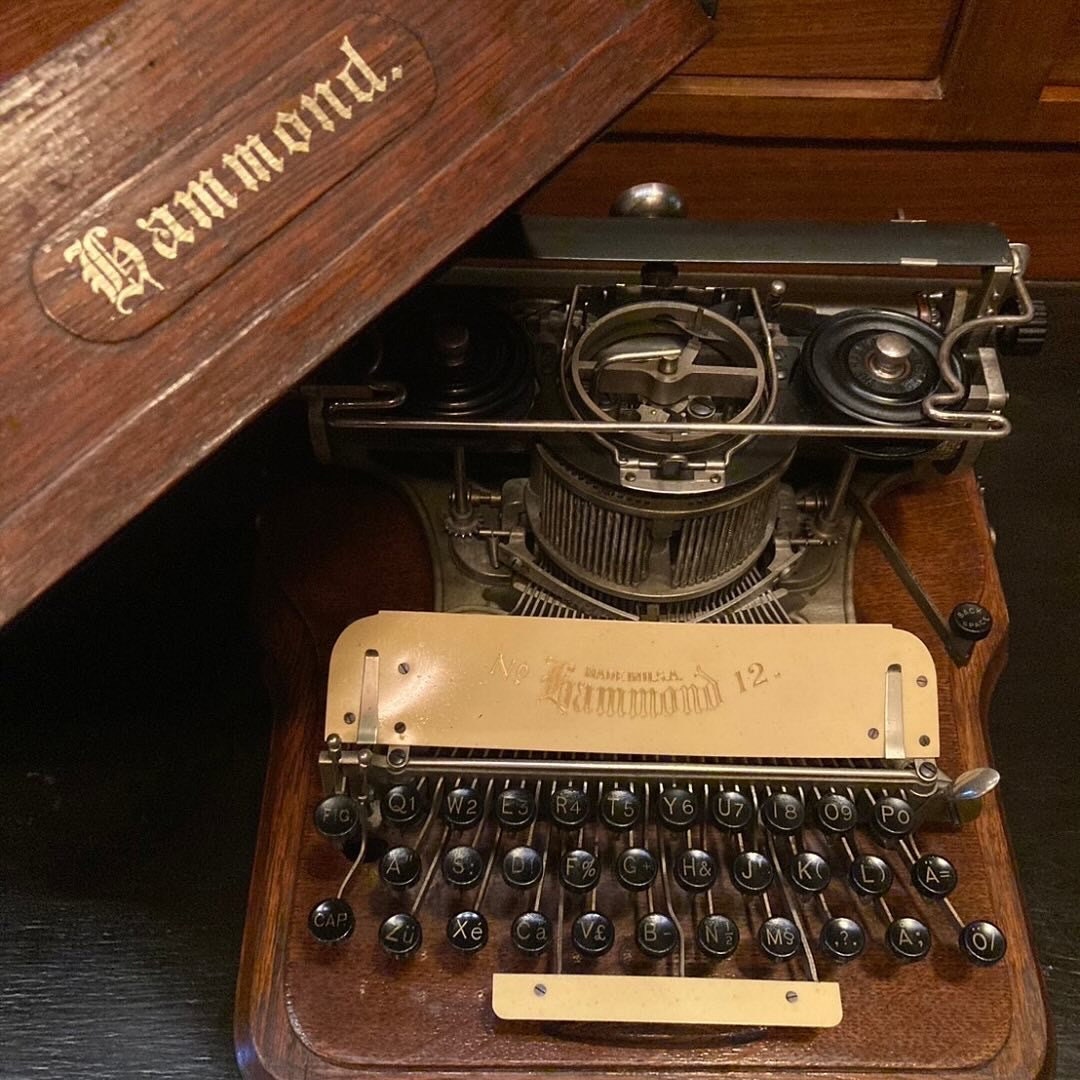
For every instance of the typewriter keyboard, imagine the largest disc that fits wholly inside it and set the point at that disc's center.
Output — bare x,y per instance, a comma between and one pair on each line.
645,877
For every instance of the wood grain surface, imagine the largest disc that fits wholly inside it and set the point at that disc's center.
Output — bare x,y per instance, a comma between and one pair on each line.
90,432
431,1018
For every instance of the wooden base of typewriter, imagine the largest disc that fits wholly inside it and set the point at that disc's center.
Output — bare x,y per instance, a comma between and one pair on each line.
345,549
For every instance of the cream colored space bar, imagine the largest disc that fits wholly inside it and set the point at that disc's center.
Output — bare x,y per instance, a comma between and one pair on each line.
649,999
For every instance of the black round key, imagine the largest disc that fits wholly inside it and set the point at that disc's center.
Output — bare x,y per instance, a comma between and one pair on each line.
400,867
462,807
467,931
635,868
338,816
531,932
843,939
933,876
400,935
331,920
695,870
732,810
870,875
892,818
677,808
982,942
751,872
463,866
569,808
908,938
971,621
783,813
402,804
779,938
579,870
522,867
515,808
836,813
592,934
717,936
620,809
657,935
809,871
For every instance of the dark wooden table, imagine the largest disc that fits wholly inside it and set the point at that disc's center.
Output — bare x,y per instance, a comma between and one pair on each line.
133,737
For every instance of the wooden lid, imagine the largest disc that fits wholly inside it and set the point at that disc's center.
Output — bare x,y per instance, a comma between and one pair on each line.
200,201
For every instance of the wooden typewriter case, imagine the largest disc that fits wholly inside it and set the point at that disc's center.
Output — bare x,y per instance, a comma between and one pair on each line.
202,200
104,420
302,1010
305,1007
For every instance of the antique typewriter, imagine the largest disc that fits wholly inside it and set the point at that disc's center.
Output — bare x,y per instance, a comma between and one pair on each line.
684,768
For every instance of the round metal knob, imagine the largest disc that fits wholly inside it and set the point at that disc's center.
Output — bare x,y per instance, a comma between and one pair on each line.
649,201
891,356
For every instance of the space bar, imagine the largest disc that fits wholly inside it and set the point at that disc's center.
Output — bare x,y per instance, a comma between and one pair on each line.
653,999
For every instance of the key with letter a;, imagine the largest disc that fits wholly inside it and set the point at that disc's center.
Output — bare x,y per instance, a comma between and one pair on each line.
908,939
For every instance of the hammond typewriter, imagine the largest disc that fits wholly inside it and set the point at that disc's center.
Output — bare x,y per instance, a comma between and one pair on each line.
634,652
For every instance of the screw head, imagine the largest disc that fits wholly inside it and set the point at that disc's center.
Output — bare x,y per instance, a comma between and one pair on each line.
791,996
873,733
922,680
539,989
924,740
350,718
403,668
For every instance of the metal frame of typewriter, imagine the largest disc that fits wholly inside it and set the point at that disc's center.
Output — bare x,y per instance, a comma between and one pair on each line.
394,714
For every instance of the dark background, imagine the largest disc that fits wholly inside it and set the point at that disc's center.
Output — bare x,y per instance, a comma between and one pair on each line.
134,730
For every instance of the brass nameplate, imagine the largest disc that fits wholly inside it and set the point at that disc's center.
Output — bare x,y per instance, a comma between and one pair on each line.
651,999
589,686
161,236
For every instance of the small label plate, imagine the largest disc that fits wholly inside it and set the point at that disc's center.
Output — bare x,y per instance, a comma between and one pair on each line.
654,999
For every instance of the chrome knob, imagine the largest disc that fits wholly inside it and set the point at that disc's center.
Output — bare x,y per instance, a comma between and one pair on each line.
649,201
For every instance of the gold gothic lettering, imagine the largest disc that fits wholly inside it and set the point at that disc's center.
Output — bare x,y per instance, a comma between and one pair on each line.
119,273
